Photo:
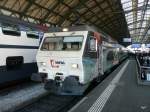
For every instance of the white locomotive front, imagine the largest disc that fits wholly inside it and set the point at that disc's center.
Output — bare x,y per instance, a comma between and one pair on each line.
60,57
69,61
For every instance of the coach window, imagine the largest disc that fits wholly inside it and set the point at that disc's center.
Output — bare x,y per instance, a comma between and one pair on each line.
33,34
110,56
10,29
14,62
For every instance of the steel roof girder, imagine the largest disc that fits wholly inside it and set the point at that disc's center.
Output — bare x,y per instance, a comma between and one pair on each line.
134,6
69,13
21,13
30,2
50,11
143,13
146,29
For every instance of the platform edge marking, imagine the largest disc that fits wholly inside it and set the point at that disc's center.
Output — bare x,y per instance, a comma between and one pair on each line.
101,101
81,101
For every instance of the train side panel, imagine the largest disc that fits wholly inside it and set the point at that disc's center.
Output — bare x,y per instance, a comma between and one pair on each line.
18,51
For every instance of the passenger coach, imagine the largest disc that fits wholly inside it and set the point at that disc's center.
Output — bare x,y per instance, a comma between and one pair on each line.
18,48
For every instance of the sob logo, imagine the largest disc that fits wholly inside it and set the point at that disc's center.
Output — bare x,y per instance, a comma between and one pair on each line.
55,64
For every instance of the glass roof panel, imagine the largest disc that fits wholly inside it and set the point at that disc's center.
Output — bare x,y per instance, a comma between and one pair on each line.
140,3
137,14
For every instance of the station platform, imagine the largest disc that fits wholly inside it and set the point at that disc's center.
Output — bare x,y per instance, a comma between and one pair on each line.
119,92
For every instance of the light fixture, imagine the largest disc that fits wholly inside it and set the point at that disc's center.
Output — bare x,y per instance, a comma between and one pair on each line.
65,29
74,65
43,63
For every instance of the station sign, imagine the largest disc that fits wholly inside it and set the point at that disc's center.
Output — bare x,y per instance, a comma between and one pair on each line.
136,45
126,39
147,45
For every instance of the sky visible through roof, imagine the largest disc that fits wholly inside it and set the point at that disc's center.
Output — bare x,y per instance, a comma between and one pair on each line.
137,13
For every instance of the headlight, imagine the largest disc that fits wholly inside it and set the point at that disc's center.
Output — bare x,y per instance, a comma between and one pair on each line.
43,63
74,65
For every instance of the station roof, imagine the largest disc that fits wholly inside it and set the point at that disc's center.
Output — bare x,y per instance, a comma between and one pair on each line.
137,13
118,18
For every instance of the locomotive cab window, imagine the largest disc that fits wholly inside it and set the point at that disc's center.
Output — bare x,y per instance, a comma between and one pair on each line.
92,44
75,45
66,43
10,29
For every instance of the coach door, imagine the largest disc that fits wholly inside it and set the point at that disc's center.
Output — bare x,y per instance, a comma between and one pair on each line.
91,56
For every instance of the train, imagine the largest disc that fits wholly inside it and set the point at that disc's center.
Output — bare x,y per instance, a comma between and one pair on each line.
70,58
18,47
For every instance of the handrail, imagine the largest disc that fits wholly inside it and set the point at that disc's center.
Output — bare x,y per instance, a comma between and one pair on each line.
139,66
138,61
145,67
141,69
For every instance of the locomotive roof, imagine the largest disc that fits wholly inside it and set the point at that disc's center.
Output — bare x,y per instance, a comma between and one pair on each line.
81,28
77,28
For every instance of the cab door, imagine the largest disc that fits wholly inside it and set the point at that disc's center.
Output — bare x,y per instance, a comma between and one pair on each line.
90,56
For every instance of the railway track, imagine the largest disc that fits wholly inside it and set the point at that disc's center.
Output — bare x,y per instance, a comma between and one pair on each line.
51,103
56,103
41,103
15,87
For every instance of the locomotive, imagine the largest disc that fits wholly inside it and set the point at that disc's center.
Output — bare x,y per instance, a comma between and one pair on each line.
70,58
